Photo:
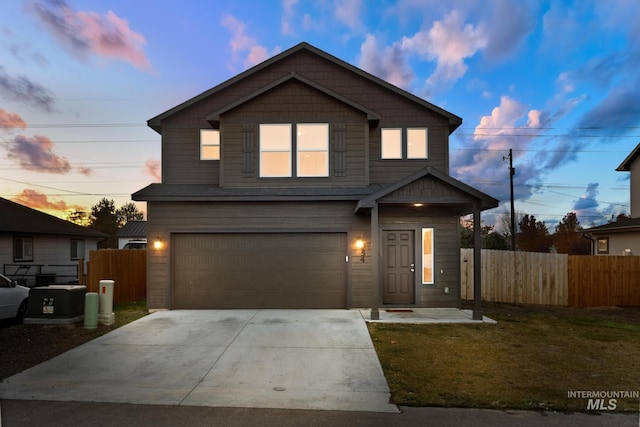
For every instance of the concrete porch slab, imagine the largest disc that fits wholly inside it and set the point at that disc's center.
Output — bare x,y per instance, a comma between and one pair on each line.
424,316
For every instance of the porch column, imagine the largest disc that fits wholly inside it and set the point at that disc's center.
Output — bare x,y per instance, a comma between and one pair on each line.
375,260
477,259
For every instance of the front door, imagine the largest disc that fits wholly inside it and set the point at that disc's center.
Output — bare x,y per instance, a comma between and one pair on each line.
398,267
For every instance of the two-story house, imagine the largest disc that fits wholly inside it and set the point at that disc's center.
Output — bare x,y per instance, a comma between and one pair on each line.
305,182
622,237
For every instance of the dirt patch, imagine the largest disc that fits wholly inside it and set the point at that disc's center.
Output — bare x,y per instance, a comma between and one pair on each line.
24,346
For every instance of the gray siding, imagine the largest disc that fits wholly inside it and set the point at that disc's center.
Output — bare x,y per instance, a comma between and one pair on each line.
194,217
446,248
293,102
181,162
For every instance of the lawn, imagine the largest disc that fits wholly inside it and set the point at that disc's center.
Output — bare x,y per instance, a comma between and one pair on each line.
530,360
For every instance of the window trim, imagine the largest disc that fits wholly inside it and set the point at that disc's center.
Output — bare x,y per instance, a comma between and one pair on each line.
215,144
382,132
299,150
23,258
404,143
294,150
430,257
426,143
77,254
602,245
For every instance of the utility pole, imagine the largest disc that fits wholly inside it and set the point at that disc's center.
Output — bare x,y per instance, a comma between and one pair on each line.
512,172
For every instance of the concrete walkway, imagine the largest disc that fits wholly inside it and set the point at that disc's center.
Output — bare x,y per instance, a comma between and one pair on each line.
424,315
293,359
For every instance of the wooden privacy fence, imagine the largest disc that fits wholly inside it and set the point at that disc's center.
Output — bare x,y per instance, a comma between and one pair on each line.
604,281
127,268
517,277
553,279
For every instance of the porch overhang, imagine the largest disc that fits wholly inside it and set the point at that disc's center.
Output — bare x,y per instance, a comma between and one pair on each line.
429,187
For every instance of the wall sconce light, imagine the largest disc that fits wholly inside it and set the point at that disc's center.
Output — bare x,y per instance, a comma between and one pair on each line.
158,244
360,245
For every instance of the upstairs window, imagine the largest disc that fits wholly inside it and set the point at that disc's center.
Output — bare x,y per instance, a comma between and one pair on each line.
275,150
313,149
391,142
209,144
414,145
417,143
310,144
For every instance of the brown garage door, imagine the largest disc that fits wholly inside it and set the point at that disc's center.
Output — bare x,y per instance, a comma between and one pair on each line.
259,270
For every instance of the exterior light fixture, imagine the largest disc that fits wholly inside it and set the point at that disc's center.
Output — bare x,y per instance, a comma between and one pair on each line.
360,245
418,205
158,244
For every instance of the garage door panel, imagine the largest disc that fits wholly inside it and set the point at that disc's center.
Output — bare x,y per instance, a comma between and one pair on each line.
253,270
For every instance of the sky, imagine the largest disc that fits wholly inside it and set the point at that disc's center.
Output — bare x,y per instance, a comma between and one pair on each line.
555,81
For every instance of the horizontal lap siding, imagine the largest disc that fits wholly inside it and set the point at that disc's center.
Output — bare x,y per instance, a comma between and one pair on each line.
446,248
202,217
293,103
181,130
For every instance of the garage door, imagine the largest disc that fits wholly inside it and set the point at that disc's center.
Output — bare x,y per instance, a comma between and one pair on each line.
258,270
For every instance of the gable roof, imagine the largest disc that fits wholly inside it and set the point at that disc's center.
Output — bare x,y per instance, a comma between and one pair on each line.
625,166
133,229
486,201
156,122
214,117
16,218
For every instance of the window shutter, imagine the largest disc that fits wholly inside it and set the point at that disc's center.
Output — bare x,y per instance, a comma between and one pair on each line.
248,151
340,149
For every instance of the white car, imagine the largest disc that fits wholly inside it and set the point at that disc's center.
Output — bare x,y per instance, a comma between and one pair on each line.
13,299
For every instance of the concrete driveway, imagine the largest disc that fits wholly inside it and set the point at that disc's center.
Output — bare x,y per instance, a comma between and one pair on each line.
293,359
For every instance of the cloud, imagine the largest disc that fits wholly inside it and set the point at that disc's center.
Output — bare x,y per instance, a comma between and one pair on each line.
37,200
288,12
241,42
11,120
85,170
387,63
449,42
85,33
348,12
511,125
510,23
22,89
36,154
152,168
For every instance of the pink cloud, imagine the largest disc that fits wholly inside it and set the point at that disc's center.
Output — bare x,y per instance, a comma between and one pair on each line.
84,33
348,12
11,120
85,170
388,63
241,42
449,42
36,154
37,200
152,168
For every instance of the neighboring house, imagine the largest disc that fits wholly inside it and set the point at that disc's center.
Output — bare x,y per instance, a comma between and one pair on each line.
37,248
133,232
623,236
305,182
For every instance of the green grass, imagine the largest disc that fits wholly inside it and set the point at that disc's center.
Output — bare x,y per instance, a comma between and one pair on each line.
528,361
